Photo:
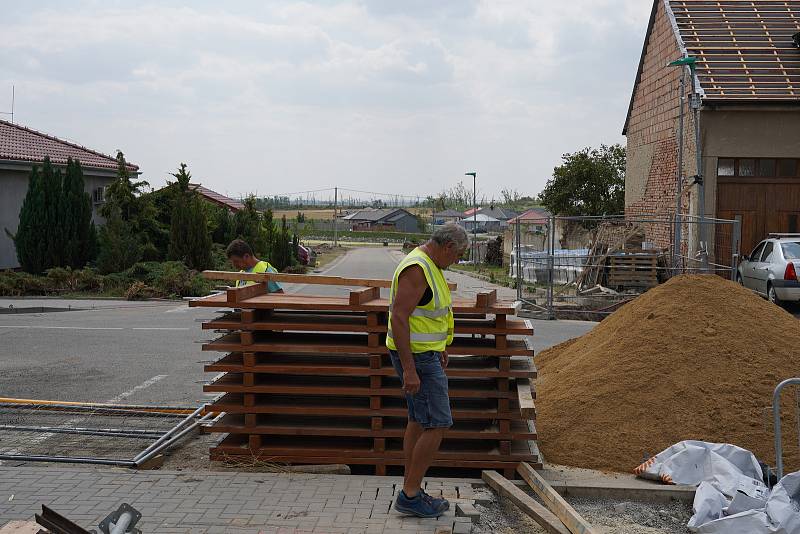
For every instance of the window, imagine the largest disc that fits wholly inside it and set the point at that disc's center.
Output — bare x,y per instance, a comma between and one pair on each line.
787,167
791,250
99,195
725,167
766,167
767,251
747,167
757,252
757,167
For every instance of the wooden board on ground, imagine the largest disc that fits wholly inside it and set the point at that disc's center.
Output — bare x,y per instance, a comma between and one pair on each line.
525,502
555,502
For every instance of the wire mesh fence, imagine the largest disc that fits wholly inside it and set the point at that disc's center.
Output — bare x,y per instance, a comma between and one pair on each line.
85,433
590,266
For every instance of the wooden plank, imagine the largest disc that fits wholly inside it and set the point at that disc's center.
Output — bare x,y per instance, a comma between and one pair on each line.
354,323
303,279
527,408
282,301
484,299
352,344
232,403
235,295
555,502
227,454
519,367
341,387
360,296
525,502
361,427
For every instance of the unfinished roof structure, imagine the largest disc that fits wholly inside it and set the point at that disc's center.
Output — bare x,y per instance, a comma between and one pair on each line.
746,50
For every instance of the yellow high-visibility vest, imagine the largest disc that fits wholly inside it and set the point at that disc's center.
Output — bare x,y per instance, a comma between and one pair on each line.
431,325
261,267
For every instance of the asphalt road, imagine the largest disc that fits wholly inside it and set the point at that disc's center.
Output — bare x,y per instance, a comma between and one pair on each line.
149,353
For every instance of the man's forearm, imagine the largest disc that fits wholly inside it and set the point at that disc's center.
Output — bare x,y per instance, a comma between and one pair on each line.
401,333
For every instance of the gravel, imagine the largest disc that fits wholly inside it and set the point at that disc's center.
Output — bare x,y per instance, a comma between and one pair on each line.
607,516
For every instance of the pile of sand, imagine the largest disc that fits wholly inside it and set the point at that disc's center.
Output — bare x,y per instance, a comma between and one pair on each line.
695,358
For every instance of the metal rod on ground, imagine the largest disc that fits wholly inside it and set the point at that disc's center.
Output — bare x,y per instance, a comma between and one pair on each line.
144,456
169,433
10,401
97,410
134,433
66,460
776,423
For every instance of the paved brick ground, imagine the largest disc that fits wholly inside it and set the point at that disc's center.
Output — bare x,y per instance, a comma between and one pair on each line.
207,502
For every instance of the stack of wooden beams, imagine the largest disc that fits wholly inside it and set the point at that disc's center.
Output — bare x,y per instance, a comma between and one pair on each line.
308,380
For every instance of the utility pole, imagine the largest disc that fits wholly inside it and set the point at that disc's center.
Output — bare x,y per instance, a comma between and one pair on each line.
474,217
676,250
335,220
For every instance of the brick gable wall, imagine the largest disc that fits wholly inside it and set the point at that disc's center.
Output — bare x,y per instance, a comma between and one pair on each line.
652,150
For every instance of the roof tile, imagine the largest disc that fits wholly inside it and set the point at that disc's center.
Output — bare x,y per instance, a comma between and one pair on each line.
18,143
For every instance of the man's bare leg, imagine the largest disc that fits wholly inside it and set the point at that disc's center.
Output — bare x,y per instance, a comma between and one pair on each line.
425,448
413,431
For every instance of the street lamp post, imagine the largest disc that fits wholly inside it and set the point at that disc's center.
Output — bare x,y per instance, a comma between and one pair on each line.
474,218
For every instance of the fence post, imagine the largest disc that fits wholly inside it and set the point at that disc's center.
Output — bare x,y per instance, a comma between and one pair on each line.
736,243
551,245
517,259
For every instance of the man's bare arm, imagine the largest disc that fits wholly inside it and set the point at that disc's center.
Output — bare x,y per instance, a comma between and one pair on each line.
411,286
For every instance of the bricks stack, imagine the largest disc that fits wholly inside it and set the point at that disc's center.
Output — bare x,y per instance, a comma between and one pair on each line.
308,380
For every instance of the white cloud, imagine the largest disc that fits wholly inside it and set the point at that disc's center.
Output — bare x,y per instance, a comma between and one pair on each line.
376,94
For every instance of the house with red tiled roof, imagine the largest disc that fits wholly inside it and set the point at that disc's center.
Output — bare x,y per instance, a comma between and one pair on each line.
217,199
745,86
20,149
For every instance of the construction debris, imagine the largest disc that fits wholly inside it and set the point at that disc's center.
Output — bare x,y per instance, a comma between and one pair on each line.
308,380
695,358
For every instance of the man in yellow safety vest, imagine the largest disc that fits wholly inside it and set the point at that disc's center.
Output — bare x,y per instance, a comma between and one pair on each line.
241,256
420,329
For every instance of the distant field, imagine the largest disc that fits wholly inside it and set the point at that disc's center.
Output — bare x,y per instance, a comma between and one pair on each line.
326,215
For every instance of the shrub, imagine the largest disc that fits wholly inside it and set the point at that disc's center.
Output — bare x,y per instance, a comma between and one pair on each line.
138,291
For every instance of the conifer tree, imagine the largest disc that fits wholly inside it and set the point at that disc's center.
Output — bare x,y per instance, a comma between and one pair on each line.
31,237
189,240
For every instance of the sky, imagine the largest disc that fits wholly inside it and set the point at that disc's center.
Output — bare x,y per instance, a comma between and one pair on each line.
273,97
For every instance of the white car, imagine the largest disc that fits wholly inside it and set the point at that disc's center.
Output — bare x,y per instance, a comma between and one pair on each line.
772,269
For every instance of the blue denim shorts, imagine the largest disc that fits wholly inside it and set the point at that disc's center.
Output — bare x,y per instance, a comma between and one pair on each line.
430,406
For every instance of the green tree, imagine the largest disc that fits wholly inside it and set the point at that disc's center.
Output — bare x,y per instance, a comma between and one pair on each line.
79,239
222,224
131,228
189,240
589,182
31,237
246,223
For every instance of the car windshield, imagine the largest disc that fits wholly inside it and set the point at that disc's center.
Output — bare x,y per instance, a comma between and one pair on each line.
791,250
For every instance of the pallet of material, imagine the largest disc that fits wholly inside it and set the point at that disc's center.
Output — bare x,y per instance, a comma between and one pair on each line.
633,270
308,380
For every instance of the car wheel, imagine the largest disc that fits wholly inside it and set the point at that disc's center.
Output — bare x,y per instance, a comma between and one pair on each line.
772,296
